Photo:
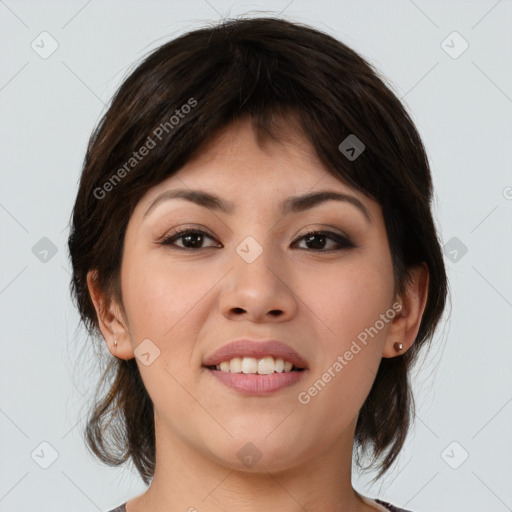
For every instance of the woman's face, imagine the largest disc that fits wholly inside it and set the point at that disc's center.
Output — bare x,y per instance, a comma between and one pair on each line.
256,274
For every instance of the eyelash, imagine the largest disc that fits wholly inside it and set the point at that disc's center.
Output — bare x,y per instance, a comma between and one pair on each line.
342,241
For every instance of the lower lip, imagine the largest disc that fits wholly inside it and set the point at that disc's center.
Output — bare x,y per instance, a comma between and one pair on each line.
255,384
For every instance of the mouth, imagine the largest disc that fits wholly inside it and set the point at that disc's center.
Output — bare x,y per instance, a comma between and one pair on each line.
256,384
256,367
249,356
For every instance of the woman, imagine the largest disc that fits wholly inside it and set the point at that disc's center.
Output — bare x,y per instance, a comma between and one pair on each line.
253,239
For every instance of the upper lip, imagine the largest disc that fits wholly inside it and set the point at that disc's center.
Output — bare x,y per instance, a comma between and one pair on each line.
258,349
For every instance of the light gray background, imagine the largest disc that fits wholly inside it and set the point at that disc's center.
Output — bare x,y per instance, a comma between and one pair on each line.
462,107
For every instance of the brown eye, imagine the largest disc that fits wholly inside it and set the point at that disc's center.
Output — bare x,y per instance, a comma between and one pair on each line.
316,241
191,239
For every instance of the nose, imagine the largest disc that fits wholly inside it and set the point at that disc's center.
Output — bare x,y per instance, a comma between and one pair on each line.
260,291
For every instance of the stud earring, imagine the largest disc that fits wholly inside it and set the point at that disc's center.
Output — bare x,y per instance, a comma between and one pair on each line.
115,341
398,346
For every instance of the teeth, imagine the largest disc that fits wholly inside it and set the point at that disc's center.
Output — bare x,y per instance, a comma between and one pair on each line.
234,366
263,366
266,365
224,366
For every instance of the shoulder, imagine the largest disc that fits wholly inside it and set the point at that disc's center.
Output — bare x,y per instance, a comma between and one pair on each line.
120,508
390,507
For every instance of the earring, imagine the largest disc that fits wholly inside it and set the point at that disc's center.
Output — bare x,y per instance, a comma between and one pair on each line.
115,341
398,346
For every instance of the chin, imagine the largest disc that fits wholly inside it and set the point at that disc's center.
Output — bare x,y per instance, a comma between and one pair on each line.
256,452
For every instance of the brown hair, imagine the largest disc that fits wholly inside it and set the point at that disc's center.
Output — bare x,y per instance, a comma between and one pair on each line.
262,68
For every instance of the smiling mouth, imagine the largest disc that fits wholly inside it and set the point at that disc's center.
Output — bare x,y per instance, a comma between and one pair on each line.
256,376
255,366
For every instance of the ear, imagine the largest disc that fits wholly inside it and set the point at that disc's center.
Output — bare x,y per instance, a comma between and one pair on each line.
406,323
111,319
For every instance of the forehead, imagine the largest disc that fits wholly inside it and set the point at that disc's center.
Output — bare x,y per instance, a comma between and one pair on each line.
235,163
240,140
233,174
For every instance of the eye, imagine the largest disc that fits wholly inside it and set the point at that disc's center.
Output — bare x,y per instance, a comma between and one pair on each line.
318,239
192,239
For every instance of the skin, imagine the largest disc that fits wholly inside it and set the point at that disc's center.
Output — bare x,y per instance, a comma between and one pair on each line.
316,299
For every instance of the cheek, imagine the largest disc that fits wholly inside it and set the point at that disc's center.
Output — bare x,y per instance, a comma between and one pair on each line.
159,296
351,297
162,304
352,347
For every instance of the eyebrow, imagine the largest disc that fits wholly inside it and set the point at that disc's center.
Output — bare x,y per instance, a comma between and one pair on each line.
291,205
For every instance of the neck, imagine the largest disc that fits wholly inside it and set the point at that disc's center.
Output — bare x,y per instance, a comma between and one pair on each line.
188,480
